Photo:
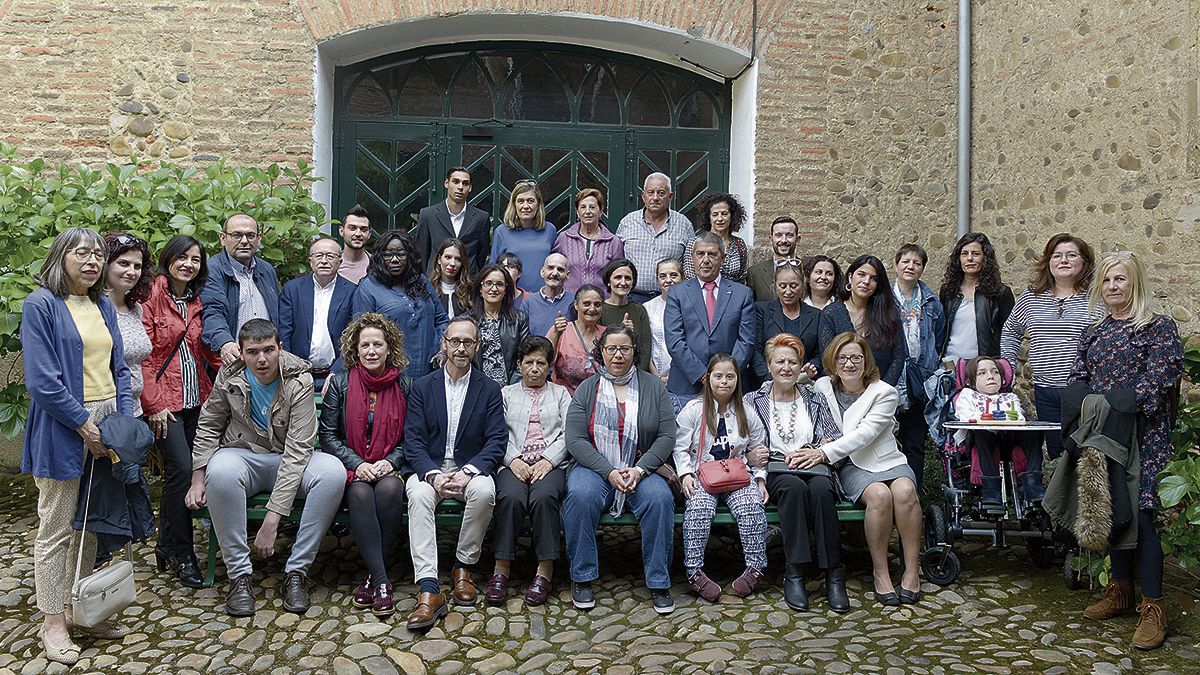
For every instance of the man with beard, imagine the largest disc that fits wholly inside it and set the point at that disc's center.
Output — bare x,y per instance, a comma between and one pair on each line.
761,277
543,307
455,437
356,232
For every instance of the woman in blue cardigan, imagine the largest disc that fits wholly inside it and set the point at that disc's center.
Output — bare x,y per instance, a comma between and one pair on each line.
76,376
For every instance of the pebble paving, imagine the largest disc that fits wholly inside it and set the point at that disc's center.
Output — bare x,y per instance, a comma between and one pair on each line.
1002,616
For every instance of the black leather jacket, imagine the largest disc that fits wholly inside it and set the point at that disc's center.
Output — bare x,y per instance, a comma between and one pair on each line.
511,335
331,429
990,314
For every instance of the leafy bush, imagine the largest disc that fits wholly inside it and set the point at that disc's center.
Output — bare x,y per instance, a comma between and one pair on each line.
1179,488
154,202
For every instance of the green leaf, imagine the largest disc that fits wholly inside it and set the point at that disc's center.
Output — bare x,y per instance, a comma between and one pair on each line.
1172,490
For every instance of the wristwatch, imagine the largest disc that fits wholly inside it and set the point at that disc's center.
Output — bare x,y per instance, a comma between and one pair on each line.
643,471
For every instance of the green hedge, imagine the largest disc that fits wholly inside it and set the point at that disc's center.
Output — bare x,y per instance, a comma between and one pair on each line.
154,202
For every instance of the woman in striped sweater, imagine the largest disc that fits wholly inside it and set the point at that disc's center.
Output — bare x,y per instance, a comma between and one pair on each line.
1052,313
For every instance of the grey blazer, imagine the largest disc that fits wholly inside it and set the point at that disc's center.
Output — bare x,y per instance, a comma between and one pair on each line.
656,426
517,406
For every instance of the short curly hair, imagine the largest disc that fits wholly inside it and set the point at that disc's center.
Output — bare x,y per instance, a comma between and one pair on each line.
391,335
737,212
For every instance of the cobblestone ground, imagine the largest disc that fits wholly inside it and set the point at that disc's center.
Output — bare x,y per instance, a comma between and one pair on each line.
1002,616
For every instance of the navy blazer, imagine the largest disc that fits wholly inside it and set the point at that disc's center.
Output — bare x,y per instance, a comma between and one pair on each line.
771,322
690,339
296,316
433,227
482,432
220,298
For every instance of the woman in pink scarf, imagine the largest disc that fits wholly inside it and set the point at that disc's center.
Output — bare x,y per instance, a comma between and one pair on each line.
362,424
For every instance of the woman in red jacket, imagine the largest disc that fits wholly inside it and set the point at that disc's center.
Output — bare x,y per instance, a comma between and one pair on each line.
176,381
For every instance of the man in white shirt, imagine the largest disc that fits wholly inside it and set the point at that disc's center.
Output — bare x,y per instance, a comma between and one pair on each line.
314,310
455,217
455,439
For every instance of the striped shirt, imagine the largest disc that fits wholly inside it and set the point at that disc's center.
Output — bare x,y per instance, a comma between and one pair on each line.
1053,326
645,247
187,362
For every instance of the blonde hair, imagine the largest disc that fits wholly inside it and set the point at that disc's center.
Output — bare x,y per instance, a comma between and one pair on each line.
510,211
829,358
396,357
1139,290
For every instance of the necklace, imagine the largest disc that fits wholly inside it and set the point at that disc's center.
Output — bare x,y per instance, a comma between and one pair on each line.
790,433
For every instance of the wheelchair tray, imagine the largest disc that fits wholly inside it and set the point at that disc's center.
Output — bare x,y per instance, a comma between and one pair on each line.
1009,425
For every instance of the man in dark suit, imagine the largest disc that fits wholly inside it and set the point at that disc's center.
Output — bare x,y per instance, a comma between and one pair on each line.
455,438
455,218
761,276
706,315
314,310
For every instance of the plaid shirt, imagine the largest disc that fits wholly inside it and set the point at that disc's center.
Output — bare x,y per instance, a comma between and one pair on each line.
645,247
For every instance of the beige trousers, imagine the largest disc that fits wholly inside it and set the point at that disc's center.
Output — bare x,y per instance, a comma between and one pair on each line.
480,498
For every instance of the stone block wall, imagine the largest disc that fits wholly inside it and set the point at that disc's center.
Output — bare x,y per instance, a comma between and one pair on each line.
1085,113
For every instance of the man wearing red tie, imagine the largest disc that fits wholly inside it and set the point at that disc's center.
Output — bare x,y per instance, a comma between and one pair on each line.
706,315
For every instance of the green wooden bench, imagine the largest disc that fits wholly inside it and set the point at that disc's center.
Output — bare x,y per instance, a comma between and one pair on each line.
449,513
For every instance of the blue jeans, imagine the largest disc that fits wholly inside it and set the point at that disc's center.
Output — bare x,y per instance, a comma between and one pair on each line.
589,495
1047,400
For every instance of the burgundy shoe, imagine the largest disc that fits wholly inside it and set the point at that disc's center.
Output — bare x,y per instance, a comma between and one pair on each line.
538,591
497,589
384,603
364,594
705,587
745,584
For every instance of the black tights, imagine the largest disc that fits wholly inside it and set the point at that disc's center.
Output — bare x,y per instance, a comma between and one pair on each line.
375,510
1148,557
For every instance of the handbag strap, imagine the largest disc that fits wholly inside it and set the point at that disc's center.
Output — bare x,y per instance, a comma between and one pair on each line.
170,357
87,502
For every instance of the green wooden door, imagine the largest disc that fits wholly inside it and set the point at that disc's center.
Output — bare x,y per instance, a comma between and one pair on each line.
570,118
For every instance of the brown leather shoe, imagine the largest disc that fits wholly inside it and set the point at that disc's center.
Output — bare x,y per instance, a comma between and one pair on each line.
430,607
1117,600
1152,625
464,588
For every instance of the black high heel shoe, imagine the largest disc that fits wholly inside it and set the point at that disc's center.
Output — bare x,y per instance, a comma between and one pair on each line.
890,599
185,568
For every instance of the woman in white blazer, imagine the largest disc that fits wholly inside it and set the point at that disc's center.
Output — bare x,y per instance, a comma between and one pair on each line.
875,473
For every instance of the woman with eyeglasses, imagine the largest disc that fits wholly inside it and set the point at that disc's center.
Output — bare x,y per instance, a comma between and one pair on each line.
588,245
1133,354
620,277
1052,312
873,471
501,328
824,282
451,277
871,312
525,232
977,303
787,313
396,288
178,379
620,430
76,375
723,215
575,340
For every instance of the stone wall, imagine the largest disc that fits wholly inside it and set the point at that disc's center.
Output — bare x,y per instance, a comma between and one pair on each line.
1085,113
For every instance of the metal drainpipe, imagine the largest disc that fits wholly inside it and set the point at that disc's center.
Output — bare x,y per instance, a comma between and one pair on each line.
964,117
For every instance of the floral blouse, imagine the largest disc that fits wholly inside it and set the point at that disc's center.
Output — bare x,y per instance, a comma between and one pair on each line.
1148,360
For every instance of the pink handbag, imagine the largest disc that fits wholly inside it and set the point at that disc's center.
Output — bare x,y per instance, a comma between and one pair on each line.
719,476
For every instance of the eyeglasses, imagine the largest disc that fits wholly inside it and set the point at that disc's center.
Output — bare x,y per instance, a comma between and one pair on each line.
394,255
853,358
623,350
1070,256
456,343
86,254
494,284
241,236
325,256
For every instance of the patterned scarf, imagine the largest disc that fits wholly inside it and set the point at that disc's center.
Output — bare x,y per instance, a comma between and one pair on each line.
619,449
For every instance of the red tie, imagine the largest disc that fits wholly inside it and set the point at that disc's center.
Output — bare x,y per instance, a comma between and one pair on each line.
710,300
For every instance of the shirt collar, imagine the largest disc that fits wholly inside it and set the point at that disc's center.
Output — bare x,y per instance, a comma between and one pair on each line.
317,284
451,382
542,292
240,268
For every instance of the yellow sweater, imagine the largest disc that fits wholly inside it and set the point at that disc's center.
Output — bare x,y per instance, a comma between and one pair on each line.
98,382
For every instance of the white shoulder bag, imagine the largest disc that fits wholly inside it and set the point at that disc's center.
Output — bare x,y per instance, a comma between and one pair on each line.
103,594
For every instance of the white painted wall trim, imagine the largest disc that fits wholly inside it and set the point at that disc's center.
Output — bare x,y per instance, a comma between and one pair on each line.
623,36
